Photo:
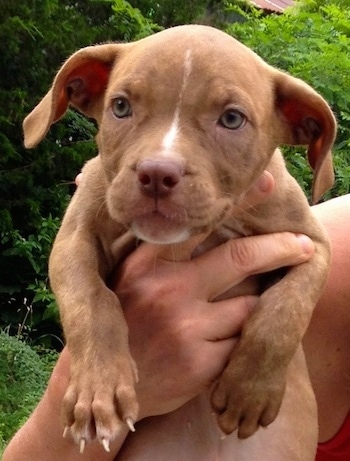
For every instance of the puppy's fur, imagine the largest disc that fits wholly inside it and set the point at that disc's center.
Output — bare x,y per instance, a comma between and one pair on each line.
188,119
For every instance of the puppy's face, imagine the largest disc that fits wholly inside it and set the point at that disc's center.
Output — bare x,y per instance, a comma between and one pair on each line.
186,129
188,119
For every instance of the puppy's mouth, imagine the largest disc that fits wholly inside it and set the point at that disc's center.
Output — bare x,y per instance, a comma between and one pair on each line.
161,228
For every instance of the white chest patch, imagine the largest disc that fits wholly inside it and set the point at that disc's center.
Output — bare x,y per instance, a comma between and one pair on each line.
170,137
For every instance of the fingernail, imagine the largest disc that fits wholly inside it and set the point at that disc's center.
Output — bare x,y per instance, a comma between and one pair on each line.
306,243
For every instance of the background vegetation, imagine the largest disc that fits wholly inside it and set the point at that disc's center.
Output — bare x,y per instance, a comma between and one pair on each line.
310,40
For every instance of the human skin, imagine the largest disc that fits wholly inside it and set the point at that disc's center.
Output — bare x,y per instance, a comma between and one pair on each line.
327,341
183,297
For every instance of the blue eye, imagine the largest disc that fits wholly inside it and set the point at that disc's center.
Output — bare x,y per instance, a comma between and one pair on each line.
232,119
121,108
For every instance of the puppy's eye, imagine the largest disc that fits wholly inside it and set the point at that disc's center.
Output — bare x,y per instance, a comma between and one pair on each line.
232,119
121,108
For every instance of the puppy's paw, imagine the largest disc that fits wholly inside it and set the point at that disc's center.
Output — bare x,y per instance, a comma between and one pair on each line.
99,401
245,401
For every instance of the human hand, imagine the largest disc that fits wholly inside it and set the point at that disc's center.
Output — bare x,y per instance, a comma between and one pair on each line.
179,338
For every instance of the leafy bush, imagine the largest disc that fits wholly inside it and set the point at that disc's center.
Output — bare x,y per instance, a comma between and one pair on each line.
38,315
132,25
23,377
312,42
35,185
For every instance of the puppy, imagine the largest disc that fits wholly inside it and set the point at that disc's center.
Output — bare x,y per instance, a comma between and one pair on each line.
188,119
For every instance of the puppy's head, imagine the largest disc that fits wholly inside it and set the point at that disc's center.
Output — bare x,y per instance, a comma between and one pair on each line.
188,120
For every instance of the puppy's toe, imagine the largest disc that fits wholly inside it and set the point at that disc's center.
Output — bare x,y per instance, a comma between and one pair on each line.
270,413
227,422
219,398
77,416
81,433
249,423
108,423
115,403
127,403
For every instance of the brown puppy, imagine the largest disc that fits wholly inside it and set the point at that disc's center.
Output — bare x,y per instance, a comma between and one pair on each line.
188,119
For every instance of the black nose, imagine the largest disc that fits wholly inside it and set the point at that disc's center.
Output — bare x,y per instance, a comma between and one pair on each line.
158,178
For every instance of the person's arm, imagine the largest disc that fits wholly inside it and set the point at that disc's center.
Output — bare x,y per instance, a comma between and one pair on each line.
327,341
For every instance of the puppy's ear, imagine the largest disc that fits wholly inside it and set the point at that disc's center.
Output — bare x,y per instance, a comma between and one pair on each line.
307,119
81,82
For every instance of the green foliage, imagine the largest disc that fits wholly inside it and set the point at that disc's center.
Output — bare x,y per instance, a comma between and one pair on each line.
35,185
131,23
312,42
23,377
171,13
38,309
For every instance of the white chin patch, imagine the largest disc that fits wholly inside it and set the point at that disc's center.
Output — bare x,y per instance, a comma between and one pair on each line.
160,235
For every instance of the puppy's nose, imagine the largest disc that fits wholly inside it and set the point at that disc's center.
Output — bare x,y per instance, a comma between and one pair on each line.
158,178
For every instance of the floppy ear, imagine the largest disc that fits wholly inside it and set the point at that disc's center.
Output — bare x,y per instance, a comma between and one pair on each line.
307,119
81,82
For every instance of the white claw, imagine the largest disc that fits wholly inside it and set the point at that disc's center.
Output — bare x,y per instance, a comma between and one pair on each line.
105,444
82,446
130,424
65,432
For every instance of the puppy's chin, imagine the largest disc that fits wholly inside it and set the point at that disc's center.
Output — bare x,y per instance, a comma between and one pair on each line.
157,229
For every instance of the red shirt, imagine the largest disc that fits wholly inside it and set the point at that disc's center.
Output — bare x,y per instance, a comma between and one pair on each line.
338,447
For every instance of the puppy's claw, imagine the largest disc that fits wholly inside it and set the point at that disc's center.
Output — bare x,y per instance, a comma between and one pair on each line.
82,446
65,432
105,444
130,424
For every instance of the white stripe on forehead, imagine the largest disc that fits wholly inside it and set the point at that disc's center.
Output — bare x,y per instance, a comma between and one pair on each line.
171,135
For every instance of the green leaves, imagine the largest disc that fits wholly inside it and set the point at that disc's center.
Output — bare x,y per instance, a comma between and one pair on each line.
131,24
312,42
23,377
35,185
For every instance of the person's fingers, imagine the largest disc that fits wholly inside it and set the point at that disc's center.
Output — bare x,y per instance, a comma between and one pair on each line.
78,179
229,264
224,319
222,267
259,192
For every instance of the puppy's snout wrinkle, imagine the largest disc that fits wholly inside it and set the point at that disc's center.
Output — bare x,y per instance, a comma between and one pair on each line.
158,178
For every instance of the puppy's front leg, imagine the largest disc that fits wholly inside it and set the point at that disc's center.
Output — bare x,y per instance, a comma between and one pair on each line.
250,391
100,395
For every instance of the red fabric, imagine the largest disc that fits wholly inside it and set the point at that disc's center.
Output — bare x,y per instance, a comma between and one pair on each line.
337,448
